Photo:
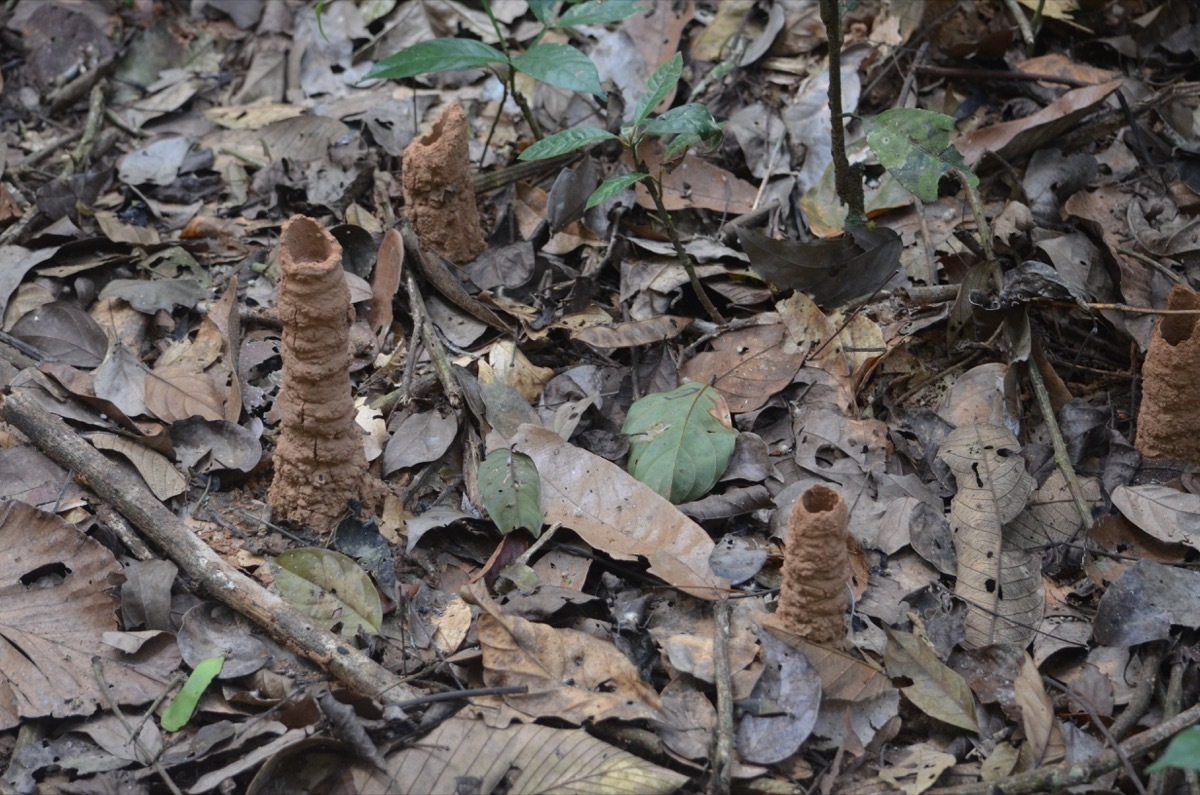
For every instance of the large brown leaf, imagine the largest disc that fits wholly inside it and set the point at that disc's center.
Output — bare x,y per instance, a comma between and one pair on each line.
55,605
618,514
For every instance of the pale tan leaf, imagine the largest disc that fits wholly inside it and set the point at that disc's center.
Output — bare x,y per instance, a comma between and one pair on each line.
523,758
173,393
633,334
936,690
1001,583
1044,739
919,769
163,479
614,512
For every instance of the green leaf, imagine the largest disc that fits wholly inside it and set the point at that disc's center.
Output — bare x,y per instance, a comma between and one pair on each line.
690,124
512,491
1183,752
566,141
329,587
543,10
598,12
661,83
181,708
560,65
438,55
680,441
612,187
914,146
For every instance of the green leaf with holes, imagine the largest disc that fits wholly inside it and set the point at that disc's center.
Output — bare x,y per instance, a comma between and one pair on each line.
512,491
183,706
914,146
330,588
680,442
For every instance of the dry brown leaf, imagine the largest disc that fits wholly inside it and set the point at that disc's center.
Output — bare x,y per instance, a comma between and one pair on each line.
1001,583
570,675
1012,139
51,628
174,393
747,366
936,689
163,479
224,316
843,676
385,282
618,514
697,183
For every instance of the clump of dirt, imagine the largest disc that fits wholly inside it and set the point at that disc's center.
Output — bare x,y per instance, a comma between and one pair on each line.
319,459
1170,414
816,567
439,195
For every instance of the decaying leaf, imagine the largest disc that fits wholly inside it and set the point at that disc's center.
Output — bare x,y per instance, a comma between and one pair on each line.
936,689
55,605
1001,584
330,587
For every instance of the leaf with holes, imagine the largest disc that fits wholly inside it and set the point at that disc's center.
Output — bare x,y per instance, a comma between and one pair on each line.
914,146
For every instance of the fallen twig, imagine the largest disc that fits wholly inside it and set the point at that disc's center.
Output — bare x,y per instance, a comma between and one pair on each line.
177,541
1053,778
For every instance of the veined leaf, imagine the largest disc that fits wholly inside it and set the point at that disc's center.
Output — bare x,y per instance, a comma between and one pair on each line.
181,708
612,187
560,65
329,587
680,442
914,146
597,12
543,10
512,491
438,55
661,83
566,141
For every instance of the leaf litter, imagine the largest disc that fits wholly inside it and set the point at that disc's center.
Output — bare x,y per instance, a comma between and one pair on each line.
578,463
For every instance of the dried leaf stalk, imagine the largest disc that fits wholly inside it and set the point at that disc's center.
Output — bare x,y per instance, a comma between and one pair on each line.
319,459
816,567
1169,417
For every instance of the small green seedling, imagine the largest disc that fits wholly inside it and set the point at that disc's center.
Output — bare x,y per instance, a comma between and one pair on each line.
686,126
181,708
556,64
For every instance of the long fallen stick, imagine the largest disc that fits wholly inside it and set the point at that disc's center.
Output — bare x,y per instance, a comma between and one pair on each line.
176,540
